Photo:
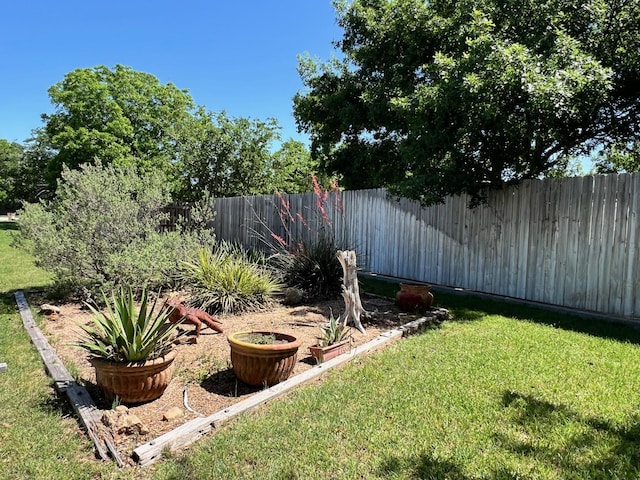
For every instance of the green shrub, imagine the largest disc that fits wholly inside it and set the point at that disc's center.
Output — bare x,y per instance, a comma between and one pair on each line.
312,267
102,230
226,280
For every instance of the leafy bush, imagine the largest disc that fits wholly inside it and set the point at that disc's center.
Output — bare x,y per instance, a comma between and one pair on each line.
125,334
226,280
102,230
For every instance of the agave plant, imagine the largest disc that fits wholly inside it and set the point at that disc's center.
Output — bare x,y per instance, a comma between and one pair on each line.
333,332
123,333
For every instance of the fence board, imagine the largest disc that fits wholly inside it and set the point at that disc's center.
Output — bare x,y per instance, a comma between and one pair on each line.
633,274
571,242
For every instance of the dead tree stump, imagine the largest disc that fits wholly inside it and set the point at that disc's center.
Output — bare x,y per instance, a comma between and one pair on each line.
350,290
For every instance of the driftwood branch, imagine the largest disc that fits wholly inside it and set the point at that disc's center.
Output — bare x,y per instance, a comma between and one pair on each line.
351,291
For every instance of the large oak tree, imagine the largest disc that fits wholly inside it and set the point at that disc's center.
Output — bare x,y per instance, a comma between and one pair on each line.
125,117
439,97
118,116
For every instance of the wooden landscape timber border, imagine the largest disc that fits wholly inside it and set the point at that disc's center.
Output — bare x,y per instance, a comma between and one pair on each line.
79,397
191,431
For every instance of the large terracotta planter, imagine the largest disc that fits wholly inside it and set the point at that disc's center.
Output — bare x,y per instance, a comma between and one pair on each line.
413,297
324,354
134,382
260,364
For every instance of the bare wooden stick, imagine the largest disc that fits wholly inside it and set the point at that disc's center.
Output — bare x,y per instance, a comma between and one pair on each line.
350,290
80,399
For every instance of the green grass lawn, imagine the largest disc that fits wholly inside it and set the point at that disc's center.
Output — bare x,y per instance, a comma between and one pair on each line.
502,391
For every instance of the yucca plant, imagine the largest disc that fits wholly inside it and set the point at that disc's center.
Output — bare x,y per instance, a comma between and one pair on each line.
123,333
226,279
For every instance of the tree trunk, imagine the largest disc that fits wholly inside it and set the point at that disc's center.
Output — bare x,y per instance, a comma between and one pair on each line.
350,290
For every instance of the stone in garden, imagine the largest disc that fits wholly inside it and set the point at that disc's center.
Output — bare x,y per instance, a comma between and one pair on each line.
121,421
293,296
47,309
131,425
172,414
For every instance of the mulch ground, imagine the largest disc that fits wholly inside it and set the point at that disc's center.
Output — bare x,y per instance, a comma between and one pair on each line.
203,369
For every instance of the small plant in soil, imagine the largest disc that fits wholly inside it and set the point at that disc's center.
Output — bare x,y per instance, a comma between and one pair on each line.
260,338
334,332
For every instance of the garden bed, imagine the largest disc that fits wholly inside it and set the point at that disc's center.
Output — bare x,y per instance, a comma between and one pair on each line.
203,369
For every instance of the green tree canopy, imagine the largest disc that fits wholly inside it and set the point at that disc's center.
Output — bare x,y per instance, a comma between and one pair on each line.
119,116
226,156
11,155
619,157
123,117
447,97
292,168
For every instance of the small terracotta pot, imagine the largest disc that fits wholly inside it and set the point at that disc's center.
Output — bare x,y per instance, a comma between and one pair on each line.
412,297
324,354
134,382
259,364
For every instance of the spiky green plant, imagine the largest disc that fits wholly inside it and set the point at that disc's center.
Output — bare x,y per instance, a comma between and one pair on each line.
123,333
312,266
333,332
224,279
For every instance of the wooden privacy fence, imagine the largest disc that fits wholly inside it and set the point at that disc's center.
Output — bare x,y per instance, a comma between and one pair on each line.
571,242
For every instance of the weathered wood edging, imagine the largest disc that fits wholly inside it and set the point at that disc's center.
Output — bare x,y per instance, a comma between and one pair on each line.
193,430
80,399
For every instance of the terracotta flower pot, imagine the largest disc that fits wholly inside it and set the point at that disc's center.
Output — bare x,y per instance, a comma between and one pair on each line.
412,297
134,382
324,354
263,364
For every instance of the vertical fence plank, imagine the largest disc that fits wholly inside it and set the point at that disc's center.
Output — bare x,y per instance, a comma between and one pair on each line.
619,244
632,278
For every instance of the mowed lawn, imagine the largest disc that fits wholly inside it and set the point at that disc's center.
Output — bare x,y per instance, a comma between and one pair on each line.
501,391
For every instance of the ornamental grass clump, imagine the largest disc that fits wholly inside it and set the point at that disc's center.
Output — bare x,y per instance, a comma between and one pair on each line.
124,333
312,267
227,279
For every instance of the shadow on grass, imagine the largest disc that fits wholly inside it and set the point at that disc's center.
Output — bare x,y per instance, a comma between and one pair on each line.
592,446
7,304
472,308
428,466
552,436
59,405
9,227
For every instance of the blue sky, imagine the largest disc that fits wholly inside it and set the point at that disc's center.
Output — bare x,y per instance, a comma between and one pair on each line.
239,56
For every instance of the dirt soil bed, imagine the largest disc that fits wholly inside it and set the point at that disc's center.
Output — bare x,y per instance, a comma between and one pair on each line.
203,369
